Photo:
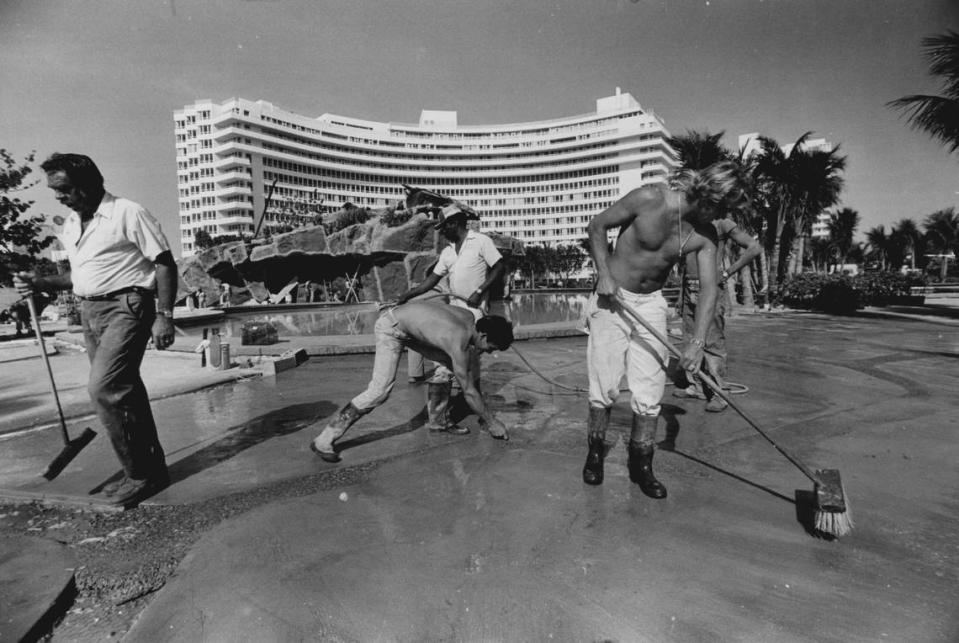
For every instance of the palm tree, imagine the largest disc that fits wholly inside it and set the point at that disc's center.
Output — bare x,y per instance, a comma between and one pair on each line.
911,239
937,115
878,242
796,187
818,182
771,180
698,150
942,235
842,227
749,218
897,247
820,250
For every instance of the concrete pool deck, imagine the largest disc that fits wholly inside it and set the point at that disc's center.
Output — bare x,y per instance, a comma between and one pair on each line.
472,539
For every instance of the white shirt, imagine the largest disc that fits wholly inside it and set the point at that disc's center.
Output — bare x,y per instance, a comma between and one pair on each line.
116,250
468,270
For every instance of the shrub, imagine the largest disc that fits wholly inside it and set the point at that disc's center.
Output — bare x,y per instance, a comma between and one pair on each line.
882,288
830,293
842,294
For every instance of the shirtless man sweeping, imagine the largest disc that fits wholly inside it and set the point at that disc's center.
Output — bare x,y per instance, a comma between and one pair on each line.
445,334
657,227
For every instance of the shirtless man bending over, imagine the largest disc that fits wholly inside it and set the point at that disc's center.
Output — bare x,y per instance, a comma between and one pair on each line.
657,227
445,334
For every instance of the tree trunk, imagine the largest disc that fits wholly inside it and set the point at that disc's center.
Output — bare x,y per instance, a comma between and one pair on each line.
801,255
772,267
746,279
794,256
764,266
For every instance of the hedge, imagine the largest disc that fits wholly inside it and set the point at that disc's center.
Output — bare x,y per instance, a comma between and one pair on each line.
842,294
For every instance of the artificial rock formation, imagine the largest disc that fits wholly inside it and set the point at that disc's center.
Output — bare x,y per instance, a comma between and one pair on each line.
380,260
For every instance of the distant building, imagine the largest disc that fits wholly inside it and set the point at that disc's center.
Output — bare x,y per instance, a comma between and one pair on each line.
540,182
749,144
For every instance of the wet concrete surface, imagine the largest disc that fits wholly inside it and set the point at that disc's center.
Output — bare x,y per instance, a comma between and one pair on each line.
36,584
476,540
471,539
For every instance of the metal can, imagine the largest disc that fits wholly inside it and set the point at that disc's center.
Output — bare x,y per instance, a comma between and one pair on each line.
224,357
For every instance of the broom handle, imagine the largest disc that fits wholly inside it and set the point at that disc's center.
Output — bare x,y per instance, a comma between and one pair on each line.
46,362
718,390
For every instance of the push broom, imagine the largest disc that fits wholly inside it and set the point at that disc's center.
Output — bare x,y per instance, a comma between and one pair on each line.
70,447
832,515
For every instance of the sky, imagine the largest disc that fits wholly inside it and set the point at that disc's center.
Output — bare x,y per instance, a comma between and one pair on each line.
103,77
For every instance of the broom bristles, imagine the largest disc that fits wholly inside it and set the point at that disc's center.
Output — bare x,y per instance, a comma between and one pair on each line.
836,524
832,508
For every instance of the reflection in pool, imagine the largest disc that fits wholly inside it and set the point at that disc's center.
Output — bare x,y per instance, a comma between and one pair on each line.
523,310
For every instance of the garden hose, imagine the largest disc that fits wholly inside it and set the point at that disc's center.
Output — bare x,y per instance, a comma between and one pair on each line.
734,388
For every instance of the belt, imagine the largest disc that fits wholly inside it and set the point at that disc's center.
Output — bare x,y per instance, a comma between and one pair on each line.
110,296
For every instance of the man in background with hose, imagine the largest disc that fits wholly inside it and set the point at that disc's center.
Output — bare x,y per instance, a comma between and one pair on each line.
715,351
657,226
123,272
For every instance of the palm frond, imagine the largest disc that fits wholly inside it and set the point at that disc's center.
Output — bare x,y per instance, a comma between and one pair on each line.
942,52
936,115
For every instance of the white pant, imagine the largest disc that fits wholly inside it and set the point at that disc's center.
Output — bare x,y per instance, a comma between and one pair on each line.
390,341
620,346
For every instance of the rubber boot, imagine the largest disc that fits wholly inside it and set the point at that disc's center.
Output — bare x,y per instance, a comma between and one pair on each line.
596,424
438,407
641,447
322,445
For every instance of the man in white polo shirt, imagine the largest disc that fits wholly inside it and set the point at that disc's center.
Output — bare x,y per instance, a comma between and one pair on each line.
122,270
472,264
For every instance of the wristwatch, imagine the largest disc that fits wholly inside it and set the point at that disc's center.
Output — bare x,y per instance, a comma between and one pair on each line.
165,312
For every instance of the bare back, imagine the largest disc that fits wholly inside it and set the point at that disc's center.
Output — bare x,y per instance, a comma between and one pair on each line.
441,332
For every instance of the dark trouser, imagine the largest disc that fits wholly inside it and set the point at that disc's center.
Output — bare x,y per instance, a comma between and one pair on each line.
715,354
116,333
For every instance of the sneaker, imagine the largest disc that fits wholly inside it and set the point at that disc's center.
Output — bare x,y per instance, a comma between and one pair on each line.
453,429
689,392
161,480
110,488
130,492
716,405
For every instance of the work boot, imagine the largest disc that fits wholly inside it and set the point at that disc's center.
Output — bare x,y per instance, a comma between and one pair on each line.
597,422
322,445
640,448
438,409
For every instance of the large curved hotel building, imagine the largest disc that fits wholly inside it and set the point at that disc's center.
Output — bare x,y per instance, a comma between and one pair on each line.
540,182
